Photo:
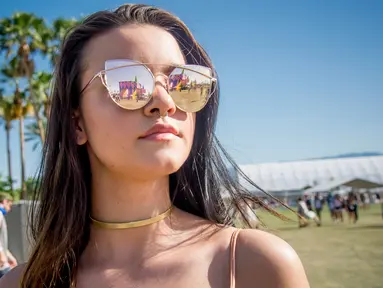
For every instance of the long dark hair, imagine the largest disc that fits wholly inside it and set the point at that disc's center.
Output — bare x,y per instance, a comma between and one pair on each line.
60,226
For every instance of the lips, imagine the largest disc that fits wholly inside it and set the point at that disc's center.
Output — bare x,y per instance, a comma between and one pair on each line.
161,132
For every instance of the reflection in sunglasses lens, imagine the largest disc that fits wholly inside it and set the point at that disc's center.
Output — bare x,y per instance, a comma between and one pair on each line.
130,87
190,90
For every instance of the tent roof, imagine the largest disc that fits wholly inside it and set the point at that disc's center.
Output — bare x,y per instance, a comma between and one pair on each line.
351,182
294,176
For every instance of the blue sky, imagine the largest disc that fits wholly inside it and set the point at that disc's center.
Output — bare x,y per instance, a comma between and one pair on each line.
299,79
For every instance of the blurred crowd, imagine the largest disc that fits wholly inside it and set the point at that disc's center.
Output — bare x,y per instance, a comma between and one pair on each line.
339,205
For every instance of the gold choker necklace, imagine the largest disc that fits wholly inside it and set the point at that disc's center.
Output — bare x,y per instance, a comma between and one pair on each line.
133,224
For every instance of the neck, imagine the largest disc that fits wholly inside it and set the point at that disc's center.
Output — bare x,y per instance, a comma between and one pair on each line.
124,200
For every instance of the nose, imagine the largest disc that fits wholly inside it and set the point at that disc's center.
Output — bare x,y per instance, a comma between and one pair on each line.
161,102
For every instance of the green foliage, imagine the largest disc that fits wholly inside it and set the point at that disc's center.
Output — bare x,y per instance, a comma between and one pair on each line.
31,184
60,28
5,185
23,36
32,134
23,33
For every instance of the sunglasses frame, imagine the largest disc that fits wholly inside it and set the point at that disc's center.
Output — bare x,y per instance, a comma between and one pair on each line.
102,75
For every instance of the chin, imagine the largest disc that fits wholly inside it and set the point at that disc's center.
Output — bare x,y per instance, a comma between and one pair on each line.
163,163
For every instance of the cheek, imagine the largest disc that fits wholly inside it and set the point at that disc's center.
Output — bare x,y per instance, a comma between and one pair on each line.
110,130
113,142
189,128
186,123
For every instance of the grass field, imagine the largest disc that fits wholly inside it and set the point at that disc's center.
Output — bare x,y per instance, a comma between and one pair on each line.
337,254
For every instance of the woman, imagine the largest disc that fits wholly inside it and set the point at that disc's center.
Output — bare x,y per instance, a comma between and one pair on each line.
318,206
149,154
352,207
338,207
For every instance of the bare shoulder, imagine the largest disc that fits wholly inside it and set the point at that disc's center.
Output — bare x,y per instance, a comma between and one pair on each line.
12,278
268,261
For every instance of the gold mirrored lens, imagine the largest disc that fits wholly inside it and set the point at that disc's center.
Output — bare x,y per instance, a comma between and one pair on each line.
131,86
190,87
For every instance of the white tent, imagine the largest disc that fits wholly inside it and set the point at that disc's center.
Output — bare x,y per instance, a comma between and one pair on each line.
355,183
295,176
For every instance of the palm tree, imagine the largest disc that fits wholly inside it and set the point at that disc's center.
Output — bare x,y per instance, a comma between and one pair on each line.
41,87
18,112
17,108
10,74
20,36
22,109
32,134
60,28
41,82
7,116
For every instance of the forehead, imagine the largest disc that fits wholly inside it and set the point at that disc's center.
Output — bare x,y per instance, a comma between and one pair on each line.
144,43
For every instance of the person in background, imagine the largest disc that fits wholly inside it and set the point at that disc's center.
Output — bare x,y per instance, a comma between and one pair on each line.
367,200
330,204
4,208
358,202
377,196
362,200
304,213
7,261
308,202
338,207
352,207
318,205
379,200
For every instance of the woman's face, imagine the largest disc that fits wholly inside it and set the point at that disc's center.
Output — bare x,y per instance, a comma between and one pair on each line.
113,135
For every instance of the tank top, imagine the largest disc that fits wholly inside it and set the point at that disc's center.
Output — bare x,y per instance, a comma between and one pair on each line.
233,244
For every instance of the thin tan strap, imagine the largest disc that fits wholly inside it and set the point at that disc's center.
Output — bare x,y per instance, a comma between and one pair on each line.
233,243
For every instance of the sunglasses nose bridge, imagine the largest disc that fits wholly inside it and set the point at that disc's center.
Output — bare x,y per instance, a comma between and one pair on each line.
162,80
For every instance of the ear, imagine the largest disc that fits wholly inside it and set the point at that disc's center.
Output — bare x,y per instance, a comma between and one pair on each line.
81,137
